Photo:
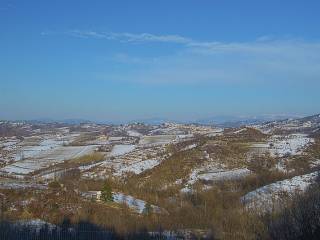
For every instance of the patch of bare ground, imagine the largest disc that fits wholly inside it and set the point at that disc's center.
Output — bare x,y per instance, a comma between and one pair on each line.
83,139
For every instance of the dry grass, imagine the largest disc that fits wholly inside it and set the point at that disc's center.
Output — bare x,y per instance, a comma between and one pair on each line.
83,139
231,154
87,159
218,209
314,149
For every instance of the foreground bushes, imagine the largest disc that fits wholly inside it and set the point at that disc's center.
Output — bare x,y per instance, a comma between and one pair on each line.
300,219
66,231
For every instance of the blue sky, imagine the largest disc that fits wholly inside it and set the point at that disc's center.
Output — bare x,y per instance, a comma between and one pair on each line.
183,60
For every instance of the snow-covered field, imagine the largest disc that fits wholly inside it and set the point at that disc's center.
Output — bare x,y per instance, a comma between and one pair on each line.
9,145
184,136
20,185
51,175
56,174
279,146
128,159
133,203
138,167
215,132
221,175
293,144
36,146
157,139
133,133
270,195
46,146
189,147
119,150
214,174
290,125
115,139
47,158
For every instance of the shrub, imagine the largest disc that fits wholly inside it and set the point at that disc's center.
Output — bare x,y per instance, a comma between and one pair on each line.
106,193
300,219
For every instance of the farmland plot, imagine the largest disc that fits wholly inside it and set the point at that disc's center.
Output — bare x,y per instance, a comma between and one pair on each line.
48,153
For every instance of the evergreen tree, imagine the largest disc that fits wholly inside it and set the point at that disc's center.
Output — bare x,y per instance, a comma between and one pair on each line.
147,209
106,193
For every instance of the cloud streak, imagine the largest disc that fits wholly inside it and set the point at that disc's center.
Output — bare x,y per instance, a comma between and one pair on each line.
125,36
262,44
263,61
278,63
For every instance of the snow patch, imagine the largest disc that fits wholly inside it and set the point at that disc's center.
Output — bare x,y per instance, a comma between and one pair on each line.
293,144
189,147
266,196
221,175
213,174
119,150
138,167
133,133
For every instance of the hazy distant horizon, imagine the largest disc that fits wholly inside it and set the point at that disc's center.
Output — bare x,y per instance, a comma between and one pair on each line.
209,119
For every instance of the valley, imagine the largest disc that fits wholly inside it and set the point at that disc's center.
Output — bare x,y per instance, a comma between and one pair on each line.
154,172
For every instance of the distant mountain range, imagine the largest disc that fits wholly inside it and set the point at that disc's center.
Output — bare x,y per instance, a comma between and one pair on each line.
64,121
222,120
236,121
226,121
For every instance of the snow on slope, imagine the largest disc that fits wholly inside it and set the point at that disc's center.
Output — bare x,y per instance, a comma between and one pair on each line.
133,203
21,185
138,167
189,147
119,150
267,196
214,174
220,175
240,131
280,146
292,144
44,147
133,133
157,139
46,159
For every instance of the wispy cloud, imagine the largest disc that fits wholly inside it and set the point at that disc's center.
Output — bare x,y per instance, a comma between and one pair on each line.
278,63
266,59
124,36
266,43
